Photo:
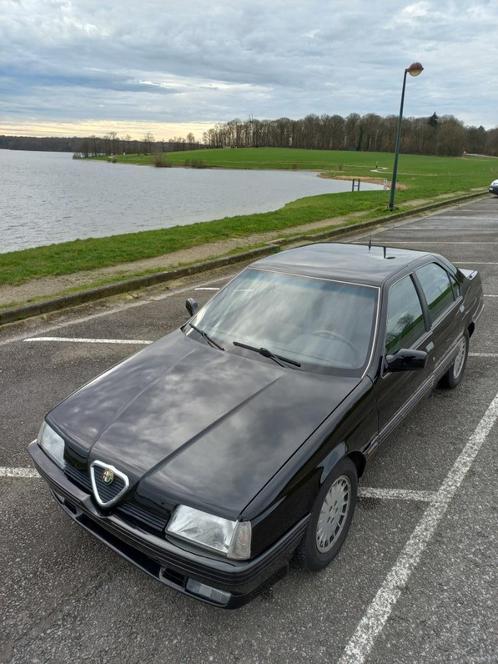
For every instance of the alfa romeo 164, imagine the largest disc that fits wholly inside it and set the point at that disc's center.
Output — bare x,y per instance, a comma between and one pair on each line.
235,443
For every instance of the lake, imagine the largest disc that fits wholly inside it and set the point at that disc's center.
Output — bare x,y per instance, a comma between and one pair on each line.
48,197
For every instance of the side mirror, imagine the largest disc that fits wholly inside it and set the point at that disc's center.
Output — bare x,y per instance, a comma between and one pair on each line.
191,306
406,359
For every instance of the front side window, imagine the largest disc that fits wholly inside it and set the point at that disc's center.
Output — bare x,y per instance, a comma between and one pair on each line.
405,318
437,289
322,324
456,286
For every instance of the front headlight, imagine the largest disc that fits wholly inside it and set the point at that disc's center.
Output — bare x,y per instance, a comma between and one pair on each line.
51,443
231,538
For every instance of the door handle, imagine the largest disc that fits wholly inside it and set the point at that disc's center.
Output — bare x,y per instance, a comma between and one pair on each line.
429,347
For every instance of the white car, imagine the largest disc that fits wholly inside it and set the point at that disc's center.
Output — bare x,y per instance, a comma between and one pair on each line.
493,187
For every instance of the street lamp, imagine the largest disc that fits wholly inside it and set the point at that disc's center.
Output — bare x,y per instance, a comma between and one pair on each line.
415,69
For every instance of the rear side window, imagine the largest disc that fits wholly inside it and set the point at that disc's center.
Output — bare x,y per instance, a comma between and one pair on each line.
405,319
437,289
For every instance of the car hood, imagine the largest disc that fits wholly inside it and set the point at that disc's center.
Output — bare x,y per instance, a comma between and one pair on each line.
189,423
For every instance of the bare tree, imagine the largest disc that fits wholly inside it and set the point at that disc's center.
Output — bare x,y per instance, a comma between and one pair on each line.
430,135
148,140
113,142
371,132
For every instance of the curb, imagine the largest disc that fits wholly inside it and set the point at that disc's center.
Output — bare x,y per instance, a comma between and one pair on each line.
66,301
379,221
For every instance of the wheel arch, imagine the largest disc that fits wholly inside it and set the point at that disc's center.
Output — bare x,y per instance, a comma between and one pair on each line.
339,453
359,460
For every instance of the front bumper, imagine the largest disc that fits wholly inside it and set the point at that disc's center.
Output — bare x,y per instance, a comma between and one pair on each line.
238,581
493,190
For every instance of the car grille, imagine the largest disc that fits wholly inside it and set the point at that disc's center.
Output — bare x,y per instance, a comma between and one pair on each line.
80,477
130,510
107,492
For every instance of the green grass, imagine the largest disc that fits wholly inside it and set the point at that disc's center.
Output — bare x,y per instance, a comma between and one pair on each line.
425,177
119,276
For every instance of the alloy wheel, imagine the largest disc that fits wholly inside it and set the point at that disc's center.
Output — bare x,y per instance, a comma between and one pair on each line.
333,514
460,358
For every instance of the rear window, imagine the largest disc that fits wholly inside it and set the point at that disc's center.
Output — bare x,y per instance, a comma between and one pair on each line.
437,288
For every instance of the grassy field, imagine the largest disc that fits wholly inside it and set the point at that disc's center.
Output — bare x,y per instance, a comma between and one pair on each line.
425,178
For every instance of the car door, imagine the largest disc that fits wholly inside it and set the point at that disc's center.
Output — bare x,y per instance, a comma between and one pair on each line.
443,303
406,327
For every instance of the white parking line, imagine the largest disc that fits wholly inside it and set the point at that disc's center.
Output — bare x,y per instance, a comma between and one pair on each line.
489,295
474,263
18,472
206,288
81,340
437,242
363,492
146,342
396,494
378,612
117,309
483,354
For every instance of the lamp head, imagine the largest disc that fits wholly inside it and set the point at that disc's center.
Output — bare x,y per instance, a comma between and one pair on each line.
415,69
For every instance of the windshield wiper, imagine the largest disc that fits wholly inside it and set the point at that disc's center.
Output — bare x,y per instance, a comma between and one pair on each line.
267,353
206,336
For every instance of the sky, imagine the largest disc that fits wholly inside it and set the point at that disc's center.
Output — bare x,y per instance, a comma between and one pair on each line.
80,67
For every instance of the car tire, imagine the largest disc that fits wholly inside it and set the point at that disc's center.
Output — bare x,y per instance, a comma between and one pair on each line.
454,375
330,518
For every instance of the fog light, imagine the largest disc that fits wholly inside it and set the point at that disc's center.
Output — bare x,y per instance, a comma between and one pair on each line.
213,594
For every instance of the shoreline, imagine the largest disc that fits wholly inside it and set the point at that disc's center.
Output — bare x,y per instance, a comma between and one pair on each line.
124,283
424,181
41,288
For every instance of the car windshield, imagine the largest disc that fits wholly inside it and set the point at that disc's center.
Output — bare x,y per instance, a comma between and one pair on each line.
322,324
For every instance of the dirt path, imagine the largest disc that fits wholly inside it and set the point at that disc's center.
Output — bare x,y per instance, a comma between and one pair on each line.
53,286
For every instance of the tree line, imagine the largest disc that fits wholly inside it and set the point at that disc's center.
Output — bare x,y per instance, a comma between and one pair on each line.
112,144
432,135
93,146
435,135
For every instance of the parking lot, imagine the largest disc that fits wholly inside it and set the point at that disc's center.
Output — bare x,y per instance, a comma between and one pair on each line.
414,582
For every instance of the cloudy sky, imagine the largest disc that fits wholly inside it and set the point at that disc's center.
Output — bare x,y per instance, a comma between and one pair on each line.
88,66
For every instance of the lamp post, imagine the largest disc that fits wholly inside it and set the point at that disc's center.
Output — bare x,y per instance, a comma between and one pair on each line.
414,69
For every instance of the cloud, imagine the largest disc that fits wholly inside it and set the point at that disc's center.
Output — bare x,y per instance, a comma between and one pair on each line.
415,11
164,61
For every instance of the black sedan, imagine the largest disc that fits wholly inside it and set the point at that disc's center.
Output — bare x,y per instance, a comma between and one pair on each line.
221,451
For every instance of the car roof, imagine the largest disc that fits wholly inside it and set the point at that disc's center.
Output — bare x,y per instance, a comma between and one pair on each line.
347,262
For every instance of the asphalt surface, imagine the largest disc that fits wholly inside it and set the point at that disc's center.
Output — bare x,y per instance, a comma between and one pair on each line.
65,597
